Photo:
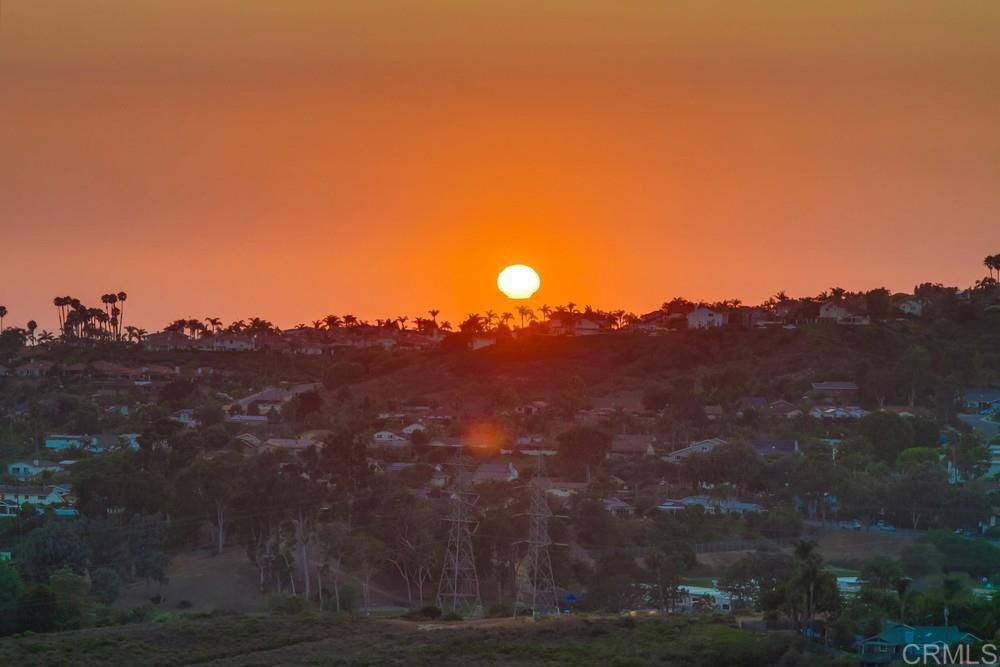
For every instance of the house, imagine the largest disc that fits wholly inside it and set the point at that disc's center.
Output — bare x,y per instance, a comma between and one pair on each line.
910,307
899,643
34,369
757,404
228,343
700,447
726,506
706,318
834,390
838,412
32,469
671,506
265,400
784,409
494,472
617,507
839,311
14,496
557,488
712,412
531,409
632,446
413,428
95,444
531,445
186,416
575,324
389,439
775,447
979,400
703,598
249,420
480,341
165,341
289,444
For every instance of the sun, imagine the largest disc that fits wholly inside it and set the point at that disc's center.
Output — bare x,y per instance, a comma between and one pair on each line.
519,281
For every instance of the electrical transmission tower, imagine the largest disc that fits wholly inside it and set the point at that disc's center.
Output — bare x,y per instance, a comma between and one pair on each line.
458,590
537,587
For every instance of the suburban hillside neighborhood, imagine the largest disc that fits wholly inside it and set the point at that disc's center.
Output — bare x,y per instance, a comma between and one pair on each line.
827,467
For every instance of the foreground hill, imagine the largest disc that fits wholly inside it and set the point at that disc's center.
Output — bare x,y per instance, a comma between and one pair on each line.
313,640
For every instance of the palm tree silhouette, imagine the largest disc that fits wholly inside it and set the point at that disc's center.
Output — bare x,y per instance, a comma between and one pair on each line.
3,314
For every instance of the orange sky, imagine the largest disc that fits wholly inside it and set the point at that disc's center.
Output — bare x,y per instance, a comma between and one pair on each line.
293,158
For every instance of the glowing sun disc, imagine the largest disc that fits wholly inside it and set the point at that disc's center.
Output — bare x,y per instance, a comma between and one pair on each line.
518,281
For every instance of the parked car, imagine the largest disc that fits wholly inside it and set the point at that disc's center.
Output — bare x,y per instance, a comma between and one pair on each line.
882,525
856,525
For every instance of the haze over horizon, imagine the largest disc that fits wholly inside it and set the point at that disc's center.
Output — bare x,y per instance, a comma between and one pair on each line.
294,159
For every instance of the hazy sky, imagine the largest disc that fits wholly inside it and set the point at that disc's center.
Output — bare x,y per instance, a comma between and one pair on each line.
293,158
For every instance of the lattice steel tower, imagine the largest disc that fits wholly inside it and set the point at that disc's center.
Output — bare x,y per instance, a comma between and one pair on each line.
537,587
458,590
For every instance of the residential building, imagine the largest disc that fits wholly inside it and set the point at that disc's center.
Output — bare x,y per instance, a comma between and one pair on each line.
389,439
34,369
95,444
834,390
632,446
32,469
700,447
889,645
14,496
706,318
494,472
617,507
165,341
839,311
721,506
784,409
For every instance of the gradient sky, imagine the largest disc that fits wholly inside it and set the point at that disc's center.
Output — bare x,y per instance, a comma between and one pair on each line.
293,158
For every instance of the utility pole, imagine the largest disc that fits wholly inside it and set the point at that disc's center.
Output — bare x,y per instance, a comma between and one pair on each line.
458,589
536,589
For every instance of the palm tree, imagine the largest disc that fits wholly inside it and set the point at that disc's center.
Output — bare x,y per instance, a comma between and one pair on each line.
505,318
122,296
445,326
524,312
490,316
546,310
3,314
46,337
434,315
402,319
350,320
332,322
213,322
32,325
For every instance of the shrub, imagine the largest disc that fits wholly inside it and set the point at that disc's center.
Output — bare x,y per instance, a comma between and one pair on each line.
430,611
451,616
285,604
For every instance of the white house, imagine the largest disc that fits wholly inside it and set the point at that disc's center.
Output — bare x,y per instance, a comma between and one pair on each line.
413,428
837,311
32,469
706,318
228,343
911,307
13,496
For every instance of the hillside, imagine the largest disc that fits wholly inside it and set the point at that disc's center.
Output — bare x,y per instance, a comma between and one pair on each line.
234,641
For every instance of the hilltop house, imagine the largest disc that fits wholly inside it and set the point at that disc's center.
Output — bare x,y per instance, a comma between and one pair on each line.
700,447
839,311
706,318
618,507
32,469
575,324
165,341
784,409
227,343
721,506
889,645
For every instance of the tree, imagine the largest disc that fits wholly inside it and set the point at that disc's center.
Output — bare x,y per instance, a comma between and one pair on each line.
53,546
371,553
11,589
37,610
105,585
74,606
878,303
916,367
888,433
581,449
3,314
970,456
755,577
337,550
919,559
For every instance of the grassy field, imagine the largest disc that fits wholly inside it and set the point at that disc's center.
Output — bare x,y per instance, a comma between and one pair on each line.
312,640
